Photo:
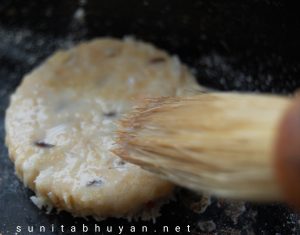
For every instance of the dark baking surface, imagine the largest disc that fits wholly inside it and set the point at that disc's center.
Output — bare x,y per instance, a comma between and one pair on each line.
231,45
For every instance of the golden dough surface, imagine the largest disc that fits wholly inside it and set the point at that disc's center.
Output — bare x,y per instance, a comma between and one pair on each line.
61,123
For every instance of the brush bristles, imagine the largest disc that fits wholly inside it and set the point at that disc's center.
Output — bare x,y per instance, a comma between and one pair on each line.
220,143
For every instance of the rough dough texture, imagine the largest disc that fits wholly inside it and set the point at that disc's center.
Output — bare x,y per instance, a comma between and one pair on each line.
61,121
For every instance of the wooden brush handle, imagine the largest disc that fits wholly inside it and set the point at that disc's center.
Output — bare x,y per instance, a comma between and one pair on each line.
287,154
220,143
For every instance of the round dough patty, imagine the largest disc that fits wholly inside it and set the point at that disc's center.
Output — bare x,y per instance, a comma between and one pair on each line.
61,121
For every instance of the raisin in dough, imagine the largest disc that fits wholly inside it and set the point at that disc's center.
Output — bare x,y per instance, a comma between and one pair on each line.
61,121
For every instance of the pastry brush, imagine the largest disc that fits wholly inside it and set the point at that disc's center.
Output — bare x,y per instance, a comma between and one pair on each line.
232,145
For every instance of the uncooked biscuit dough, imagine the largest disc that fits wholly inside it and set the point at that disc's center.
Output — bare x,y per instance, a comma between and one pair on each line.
61,121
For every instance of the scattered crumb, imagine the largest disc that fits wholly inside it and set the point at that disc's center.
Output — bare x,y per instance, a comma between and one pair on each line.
201,205
79,15
207,226
234,210
195,202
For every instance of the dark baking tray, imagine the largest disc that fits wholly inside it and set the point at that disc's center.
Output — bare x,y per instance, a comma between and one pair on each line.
231,45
